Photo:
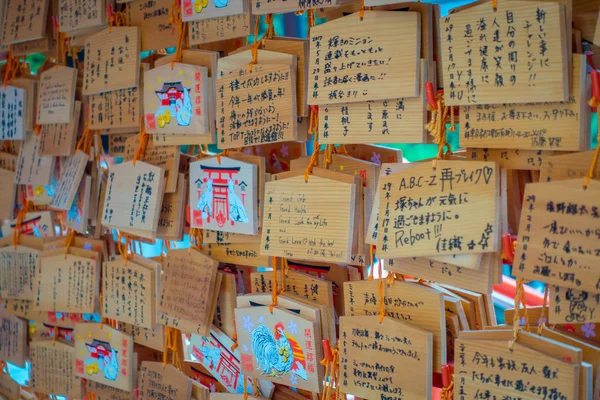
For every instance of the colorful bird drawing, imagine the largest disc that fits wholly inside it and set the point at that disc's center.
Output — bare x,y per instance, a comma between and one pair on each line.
277,353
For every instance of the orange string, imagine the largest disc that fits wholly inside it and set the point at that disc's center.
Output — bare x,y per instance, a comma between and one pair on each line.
176,18
85,142
70,238
311,20
9,66
512,342
382,312
144,138
122,249
313,129
495,4
274,284
29,205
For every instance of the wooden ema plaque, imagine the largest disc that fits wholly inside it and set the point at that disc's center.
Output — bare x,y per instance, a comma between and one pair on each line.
409,303
129,293
104,355
153,21
224,318
479,279
76,217
18,271
13,111
8,387
165,157
373,59
223,195
53,368
256,108
568,166
70,176
388,360
61,139
220,29
558,235
99,391
116,109
23,21
537,126
449,210
533,160
378,121
303,221
279,347
112,60
515,54
260,7
247,254
80,15
13,339
56,95
133,198
525,372
572,306
187,289
167,382
33,169
197,10
8,189
176,99
67,284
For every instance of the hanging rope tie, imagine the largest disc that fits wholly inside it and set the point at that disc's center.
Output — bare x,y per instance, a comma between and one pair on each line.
495,5
69,239
371,261
594,102
140,153
542,323
448,382
286,270
258,43
8,69
172,346
328,155
525,314
361,12
175,17
234,337
274,284
313,129
85,142
29,205
511,343
224,153
123,248
116,18
437,125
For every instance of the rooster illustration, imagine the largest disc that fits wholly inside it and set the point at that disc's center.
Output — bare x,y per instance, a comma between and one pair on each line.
278,353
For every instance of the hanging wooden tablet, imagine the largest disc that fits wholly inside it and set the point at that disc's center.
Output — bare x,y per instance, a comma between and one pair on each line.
112,60
13,113
279,346
13,339
78,15
104,355
513,158
558,235
283,6
33,169
76,217
373,371
171,220
479,279
224,318
257,107
303,222
23,21
115,110
18,271
61,139
400,120
409,303
220,28
8,190
449,210
316,290
568,166
187,286
99,391
374,153
548,126
116,144
129,292
194,10
572,306
8,387
493,56
176,99
134,198
53,367
70,176
157,381
247,254
156,31
67,284
165,157
347,67
223,195
524,371
153,338
56,95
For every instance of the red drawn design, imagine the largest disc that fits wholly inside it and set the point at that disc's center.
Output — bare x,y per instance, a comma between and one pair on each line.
150,121
247,362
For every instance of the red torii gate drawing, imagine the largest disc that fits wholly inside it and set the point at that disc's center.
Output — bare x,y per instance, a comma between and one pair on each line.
220,198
